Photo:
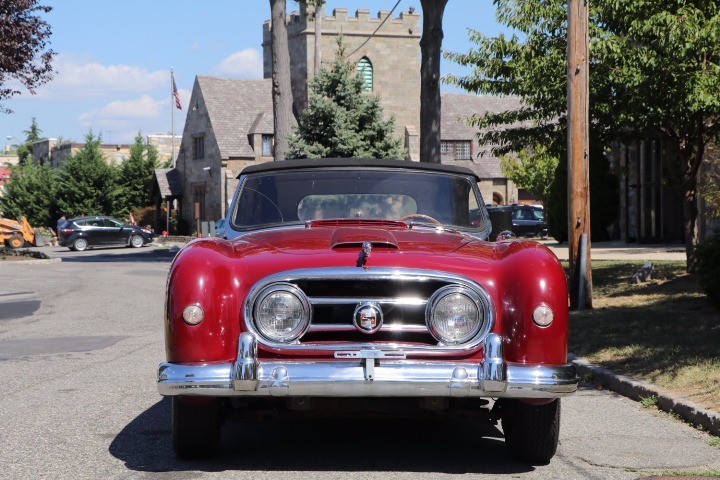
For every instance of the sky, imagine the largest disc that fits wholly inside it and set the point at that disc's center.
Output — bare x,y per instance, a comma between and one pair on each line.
114,58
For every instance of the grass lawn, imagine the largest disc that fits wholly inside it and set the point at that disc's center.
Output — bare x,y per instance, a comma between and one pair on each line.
663,331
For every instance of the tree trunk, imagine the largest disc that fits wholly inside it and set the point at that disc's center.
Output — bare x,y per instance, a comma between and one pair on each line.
690,213
430,107
691,158
281,85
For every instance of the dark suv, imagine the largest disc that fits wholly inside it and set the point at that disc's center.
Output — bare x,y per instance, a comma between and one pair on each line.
87,232
522,220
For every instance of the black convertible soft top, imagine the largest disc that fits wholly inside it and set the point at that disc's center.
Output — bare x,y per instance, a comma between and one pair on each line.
355,162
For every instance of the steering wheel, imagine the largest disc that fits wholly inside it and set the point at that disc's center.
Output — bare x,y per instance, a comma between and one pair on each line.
419,216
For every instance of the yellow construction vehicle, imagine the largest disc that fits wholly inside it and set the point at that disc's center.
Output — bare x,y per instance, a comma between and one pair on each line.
16,233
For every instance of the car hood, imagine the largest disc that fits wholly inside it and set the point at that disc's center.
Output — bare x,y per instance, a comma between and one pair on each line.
338,236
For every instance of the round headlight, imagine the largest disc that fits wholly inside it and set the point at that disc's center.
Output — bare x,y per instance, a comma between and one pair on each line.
454,315
282,313
543,315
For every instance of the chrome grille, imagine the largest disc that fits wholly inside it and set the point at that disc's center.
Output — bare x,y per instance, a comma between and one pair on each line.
402,294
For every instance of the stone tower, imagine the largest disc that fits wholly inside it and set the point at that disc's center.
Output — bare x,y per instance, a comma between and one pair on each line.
392,51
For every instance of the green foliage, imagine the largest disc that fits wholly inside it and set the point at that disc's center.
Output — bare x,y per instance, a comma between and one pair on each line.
32,135
708,255
709,184
86,184
136,175
341,120
649,402
30,194
654,68
533,169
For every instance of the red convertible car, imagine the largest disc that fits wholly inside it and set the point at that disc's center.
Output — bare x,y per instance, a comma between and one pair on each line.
355,286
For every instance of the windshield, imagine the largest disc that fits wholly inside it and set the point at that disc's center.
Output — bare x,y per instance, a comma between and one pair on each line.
421,198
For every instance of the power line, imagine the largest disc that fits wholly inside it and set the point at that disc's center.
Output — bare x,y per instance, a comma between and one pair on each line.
376,30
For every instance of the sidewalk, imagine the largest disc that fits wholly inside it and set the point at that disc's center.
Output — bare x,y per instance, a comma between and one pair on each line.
618,250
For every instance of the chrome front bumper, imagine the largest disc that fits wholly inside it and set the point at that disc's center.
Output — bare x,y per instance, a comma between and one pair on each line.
370,373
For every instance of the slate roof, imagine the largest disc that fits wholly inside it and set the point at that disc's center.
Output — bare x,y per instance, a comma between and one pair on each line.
452,127
168,182
236,108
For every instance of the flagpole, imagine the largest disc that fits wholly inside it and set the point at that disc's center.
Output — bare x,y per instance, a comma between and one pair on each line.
172,116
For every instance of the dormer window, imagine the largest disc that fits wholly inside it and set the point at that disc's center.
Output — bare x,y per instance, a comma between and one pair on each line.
267,145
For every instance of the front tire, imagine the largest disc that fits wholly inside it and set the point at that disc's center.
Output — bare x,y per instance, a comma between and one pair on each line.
80,244
531,431
195,427
16,241
136,241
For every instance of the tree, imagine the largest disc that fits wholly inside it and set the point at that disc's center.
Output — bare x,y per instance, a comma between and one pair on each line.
281,84
430,105
32,135
533,169
654,69
709,187
136,176
30,194
87,184
24,58
342,120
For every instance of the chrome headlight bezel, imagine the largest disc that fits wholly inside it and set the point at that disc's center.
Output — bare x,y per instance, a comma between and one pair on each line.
479,301
303,323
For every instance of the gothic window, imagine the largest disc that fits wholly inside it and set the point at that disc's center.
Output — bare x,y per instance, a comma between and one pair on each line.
365,69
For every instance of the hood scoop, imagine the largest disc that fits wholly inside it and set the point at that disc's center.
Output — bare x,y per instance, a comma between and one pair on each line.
355,237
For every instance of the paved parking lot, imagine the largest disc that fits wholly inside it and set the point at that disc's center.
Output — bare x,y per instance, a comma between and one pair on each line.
80,341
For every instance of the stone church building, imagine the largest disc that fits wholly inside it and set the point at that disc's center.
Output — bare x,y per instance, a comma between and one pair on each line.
229,123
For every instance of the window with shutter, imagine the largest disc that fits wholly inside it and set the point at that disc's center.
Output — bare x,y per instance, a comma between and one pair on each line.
365,69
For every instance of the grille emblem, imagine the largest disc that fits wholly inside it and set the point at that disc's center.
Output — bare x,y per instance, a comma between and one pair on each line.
368,317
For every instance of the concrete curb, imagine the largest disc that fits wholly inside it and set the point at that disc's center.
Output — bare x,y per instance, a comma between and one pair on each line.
668,401
37,261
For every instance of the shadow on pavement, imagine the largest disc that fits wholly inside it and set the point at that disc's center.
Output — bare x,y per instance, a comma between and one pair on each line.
357,444
111,255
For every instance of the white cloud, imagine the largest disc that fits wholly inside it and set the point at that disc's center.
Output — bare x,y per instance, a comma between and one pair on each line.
246,63
79,77
122,119
143,107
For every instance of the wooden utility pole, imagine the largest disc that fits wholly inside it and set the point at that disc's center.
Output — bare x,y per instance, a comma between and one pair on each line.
579,156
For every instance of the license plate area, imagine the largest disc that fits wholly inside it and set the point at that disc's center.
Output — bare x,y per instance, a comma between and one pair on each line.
370,356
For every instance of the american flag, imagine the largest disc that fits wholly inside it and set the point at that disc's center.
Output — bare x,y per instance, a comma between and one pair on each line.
175,92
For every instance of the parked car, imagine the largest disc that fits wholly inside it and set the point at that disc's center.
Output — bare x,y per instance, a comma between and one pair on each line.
87,232
525,220
356,286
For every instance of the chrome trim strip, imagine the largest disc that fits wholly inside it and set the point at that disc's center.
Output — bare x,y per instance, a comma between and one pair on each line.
347,379
353,301
339,327
368,274
369,372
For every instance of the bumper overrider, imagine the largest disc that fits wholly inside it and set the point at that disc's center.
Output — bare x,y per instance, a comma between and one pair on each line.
367,373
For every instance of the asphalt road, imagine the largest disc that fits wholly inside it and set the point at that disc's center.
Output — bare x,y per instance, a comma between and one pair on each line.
80,341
